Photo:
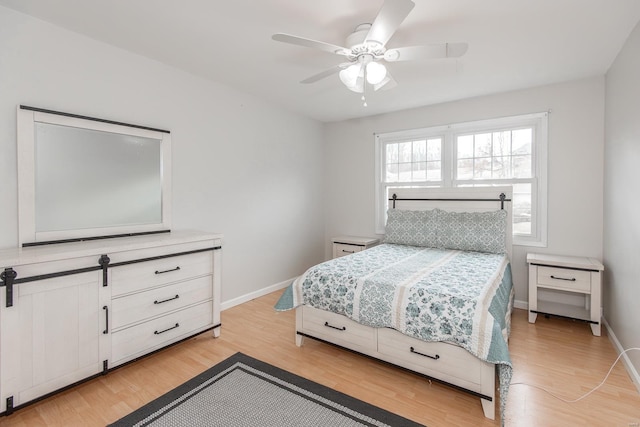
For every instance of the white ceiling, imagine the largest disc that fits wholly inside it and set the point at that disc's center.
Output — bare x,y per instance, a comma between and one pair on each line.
512,44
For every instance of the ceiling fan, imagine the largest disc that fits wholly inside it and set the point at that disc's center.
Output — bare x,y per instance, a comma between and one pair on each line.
367,49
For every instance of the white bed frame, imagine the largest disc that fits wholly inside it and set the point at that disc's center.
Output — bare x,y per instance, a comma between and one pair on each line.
441,361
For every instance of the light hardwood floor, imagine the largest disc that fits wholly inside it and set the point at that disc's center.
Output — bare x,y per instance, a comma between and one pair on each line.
557,354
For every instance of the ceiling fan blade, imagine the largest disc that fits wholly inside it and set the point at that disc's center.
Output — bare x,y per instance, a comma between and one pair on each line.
391,15
325,73
431,51
300,41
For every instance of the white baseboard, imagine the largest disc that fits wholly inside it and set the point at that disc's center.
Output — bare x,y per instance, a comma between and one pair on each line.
253,295
633,372
524,305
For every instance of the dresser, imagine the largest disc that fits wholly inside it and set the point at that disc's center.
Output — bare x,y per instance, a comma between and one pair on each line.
566,274
70,311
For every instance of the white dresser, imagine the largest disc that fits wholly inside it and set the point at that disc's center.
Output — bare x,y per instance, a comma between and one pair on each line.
74,310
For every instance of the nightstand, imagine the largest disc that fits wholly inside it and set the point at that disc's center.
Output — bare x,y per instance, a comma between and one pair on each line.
346,245
567,274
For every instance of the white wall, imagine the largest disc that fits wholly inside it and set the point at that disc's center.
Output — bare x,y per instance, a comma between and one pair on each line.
240,166
576,132
622,199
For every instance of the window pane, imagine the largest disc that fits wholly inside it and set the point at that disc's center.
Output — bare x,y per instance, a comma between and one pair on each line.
482,144
434,149
502,167
482,168
404,152
404,172
392,153
522,208
465,147
502,143
419,151
420,171
522,167
392,173
434,171
522,141
465,169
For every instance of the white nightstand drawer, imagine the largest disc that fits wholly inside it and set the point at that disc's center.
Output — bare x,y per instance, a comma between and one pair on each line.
347,245
564,279
341,249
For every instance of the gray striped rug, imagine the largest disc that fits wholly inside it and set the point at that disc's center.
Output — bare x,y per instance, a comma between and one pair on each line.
243,391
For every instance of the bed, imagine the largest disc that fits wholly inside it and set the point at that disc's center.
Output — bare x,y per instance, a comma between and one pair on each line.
435,297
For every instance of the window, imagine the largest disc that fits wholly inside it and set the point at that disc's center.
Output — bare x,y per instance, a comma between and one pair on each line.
506,151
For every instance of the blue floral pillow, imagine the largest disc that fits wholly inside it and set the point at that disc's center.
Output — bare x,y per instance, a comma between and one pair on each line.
415,228
473,231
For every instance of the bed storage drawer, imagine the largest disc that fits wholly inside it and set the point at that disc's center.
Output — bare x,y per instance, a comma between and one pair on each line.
338,329
129,343
437,359
139,276
157,301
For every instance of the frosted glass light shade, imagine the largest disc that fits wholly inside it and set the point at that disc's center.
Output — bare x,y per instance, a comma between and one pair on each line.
376,73
351,78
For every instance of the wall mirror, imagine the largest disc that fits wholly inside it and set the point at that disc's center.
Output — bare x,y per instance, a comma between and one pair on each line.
81,178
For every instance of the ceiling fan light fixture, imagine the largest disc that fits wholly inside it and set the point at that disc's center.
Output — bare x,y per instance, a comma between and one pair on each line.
351,77
376,72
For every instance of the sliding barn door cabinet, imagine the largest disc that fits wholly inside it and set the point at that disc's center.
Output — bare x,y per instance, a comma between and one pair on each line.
75,310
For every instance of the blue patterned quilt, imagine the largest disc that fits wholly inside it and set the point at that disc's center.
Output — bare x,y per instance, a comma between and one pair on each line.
430,294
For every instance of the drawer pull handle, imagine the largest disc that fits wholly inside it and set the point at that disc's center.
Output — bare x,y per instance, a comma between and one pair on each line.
344,328
166,330
166,300
573,279
167,271
106,315
348,252
436,357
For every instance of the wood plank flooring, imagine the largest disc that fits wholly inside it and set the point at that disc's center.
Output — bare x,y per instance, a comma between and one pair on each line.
557,354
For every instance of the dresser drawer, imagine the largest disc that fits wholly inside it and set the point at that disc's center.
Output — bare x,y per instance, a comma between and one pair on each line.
134,308
430,358
139,276
564,279
129,343
338,329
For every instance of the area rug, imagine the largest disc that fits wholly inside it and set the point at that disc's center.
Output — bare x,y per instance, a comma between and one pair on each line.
243,391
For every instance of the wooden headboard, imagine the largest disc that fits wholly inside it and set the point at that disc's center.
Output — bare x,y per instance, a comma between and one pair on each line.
461,199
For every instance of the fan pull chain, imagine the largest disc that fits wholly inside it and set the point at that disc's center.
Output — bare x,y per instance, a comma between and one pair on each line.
364,87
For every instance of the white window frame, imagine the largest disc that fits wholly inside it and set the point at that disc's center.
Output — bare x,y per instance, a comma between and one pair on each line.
539,123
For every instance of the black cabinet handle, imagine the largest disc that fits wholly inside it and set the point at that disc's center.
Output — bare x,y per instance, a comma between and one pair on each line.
436,357
106,315
166,330
166,300
572,279
167,271
348,252
344,328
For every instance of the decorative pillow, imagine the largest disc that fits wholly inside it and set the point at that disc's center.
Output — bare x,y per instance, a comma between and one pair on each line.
473,231
415,228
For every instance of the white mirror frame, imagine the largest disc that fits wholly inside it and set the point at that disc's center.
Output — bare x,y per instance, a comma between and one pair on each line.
27,117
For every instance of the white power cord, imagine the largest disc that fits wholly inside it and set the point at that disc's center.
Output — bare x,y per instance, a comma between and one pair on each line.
592,390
